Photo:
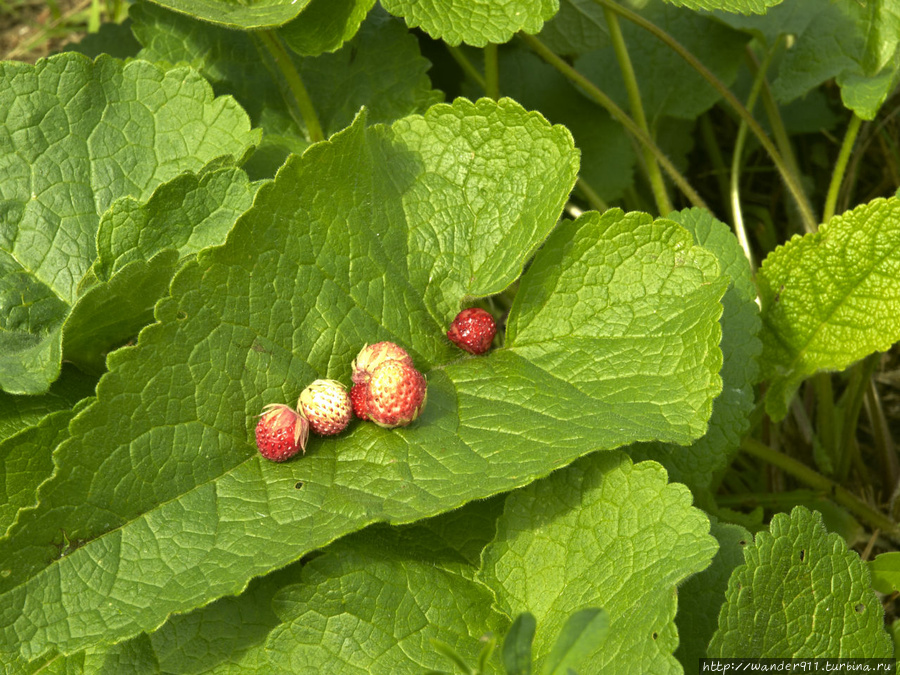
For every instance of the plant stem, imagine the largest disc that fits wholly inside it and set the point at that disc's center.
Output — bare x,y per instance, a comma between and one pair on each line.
735,190
467,66
595,200
654,175
860,373
491,71
825,416
714,152
819,482
782,140
596,95
791,179
881,432
286,66
837,176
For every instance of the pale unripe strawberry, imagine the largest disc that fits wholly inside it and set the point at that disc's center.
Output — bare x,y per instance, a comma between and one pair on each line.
396,394
326,404
372,356
281,432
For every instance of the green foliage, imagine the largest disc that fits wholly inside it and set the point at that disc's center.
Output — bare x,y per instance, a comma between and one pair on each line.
830,298
800,594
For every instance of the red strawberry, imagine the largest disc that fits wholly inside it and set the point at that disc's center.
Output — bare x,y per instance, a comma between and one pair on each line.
372,356
281,432
326,404
473,329
397,394
358,394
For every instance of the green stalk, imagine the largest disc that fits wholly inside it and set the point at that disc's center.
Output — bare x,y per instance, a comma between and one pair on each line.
714,152
825,416
881,432
856,389
735,190
595,200
819,482
491,72
654,175
467,66
837,176
791,179
301,97
596,95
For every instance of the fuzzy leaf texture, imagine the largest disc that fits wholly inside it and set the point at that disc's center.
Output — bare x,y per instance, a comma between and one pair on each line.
380,233
800,594
475,22
244,16
603,533
75,135
830,298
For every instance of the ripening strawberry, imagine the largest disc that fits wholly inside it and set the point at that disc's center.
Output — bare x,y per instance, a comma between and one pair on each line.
281,432
326,404
372,356
358,394
473,329
396,394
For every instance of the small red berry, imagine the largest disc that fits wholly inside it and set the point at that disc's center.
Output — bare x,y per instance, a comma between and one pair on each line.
473,329
326,404
397,394
281,432
372,356
358,394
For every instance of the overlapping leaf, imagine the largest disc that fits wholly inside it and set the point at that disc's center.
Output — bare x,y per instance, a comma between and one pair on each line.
830,298
801,594
380,233
380,68
325,25
696,464
604,533
239,15
75,136
475,22
853,42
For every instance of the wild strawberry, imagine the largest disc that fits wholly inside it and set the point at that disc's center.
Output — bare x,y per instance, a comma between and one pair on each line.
358,394
372,356
326,404
397,394
281,432
473,329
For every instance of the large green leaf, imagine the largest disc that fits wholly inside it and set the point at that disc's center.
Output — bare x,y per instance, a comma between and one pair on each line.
380,68
800,594
696,464
475,22
325,25
239,15
830,298
20,412
736,6
74,136
853,42
380,233
605,533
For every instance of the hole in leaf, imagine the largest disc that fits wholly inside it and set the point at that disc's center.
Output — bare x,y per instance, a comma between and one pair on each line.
299,485
802,555
860,608
655,635
743,542
182,315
